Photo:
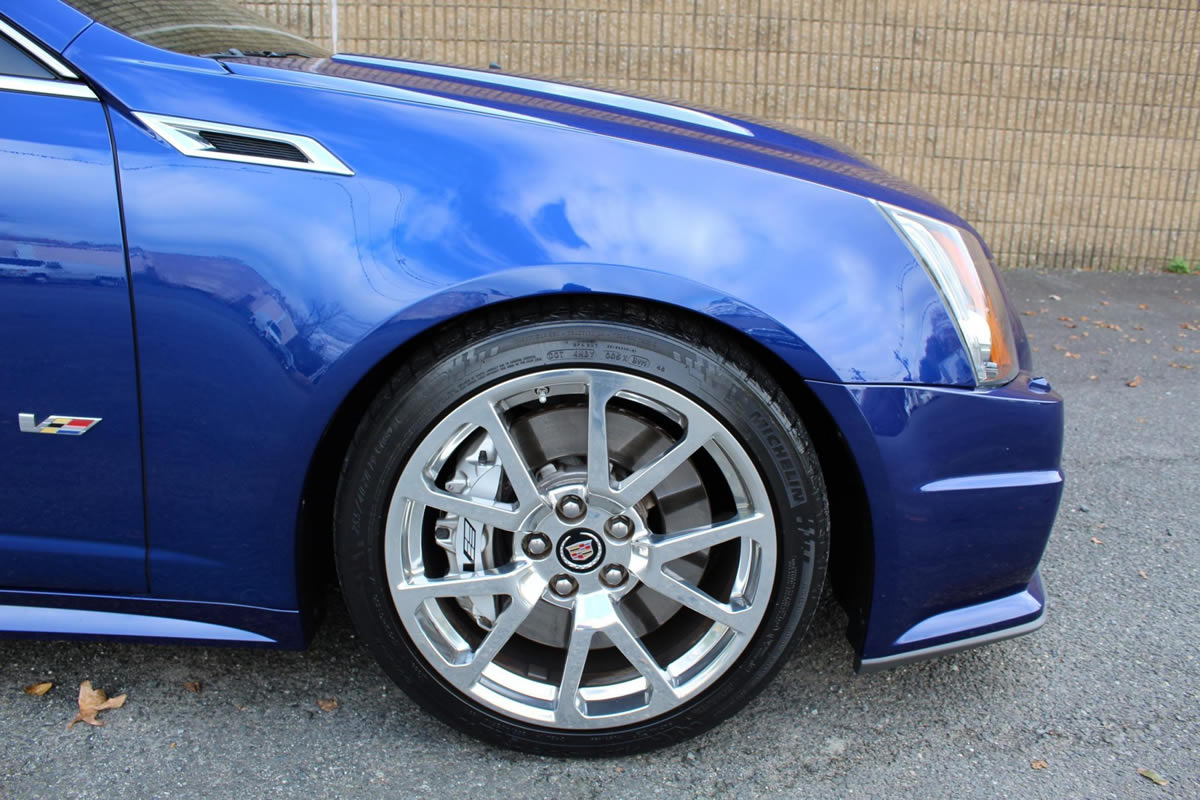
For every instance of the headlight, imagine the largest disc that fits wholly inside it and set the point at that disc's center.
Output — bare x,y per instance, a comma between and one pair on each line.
960,269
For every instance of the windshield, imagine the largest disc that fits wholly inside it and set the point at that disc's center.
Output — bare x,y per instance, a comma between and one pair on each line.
198,27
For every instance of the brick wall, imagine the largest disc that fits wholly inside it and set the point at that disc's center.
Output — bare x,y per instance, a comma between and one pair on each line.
1066,130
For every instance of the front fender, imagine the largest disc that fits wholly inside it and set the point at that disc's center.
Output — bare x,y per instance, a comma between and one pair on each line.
572,279
265,295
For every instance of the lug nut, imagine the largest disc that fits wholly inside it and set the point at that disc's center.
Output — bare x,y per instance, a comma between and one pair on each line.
571,507
563,585
613,575
536,545
619,527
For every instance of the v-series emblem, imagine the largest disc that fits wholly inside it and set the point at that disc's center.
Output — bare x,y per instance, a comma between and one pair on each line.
67,426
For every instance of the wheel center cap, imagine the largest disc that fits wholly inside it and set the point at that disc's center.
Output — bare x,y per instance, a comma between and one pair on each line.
580,550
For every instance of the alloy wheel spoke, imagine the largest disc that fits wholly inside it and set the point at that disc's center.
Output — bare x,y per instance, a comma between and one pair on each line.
667,547
601,389
566,709
515,466
495,514
642,482
662,691
741,620
514,580
465,675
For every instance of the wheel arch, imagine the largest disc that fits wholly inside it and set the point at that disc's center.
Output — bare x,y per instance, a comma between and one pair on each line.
851,559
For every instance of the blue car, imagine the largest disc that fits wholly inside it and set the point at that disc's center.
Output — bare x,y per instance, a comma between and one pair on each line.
585,398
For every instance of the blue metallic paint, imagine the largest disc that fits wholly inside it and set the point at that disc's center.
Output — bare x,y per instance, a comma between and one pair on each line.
53,23
70,509
474,189
963,487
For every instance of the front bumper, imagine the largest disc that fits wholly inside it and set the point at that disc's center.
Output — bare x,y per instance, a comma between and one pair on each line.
962,488
1004,618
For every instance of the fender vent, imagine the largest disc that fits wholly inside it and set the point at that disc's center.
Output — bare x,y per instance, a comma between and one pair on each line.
250,146
202,139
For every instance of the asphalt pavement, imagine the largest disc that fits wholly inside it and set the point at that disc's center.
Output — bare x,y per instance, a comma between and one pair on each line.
1109,686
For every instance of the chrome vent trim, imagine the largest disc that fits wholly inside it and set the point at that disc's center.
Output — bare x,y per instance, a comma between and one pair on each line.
187,136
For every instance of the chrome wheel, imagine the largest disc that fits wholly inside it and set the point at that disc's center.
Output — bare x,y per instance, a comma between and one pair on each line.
580,548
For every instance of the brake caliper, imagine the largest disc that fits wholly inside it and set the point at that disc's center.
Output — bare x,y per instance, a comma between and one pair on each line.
470,544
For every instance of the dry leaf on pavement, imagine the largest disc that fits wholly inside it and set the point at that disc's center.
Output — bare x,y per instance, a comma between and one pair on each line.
1096,540
192,686
1039,763
1136,382
328,703
39,689
92,702
1154,776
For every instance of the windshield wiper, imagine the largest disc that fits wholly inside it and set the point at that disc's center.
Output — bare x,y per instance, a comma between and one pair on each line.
233,52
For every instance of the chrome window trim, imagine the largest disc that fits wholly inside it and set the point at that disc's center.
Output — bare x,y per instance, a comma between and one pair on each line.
15,83
32,48
184,135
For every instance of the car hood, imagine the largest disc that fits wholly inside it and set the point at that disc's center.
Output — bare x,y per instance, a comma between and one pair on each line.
769,146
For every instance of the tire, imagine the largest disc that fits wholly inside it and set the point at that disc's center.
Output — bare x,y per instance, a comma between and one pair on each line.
536,599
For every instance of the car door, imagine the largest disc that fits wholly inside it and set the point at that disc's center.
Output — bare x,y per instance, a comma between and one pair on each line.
71,510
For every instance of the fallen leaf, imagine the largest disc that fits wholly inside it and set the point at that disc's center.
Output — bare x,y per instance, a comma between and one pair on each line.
328,703
1154,776
1188,326
1105,303
1136,382
1070,325
1059,347
1143,306
1142,572
1065,319
92,702
1093,377
1039,763
1071,355
1055,297
1096,540
192,686
39,689
172,745
1083,319
1029,313
1179,366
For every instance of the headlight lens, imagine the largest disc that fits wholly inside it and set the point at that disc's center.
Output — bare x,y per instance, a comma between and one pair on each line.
960,269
